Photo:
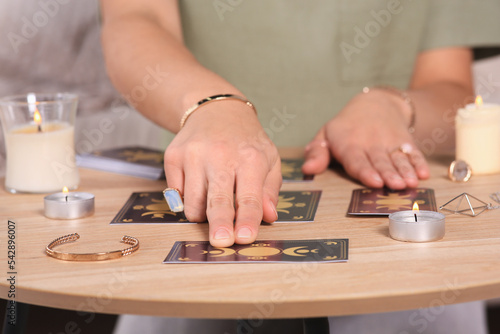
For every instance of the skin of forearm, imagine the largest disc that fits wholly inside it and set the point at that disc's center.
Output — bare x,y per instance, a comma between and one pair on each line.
135,46
436,107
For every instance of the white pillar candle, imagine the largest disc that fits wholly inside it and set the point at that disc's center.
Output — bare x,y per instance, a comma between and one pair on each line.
41,161
39,140
477,129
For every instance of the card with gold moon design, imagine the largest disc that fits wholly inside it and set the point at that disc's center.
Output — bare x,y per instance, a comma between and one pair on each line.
151,208
385,201
291,170
270,251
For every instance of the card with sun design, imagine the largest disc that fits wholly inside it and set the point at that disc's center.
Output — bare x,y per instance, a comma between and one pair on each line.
297,206
291,170
385,201
151,208
270,251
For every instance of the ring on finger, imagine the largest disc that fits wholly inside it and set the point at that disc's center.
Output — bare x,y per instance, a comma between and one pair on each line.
405,148
320,143
174,200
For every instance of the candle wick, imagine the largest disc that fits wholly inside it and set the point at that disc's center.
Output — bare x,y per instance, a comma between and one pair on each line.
67,200
39,128
415,218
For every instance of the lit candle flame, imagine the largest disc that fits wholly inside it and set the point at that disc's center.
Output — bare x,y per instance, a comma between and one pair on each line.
479,101
415,207
65,190
415,210
37,117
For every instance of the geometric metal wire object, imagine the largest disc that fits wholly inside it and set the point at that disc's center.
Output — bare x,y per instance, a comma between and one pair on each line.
455,205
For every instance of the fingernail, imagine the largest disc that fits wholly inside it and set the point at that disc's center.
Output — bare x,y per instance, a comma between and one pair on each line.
221,234
397,178
377,178
275,212
244,233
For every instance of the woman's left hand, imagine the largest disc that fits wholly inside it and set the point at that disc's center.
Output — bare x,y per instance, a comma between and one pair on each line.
370,139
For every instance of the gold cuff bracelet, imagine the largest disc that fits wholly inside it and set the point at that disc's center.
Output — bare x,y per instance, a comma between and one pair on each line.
89,256
213,99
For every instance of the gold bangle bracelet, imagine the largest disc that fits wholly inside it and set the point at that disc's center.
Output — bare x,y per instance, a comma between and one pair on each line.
213,99
89,256
403,95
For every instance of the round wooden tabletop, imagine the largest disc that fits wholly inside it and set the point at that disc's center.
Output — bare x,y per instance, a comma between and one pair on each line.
381,274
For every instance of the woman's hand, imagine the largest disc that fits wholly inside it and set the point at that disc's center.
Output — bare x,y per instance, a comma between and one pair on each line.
370,138
228,170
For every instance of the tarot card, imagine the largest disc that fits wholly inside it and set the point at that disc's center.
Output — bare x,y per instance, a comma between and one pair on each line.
291,171
151,208
385,201
269,251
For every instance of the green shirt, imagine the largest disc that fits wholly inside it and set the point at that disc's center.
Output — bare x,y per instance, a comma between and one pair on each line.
301,61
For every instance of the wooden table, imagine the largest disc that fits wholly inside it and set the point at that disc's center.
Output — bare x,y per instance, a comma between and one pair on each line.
381,275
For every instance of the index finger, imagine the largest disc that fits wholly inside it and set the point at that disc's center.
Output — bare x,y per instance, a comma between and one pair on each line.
220,208
250,188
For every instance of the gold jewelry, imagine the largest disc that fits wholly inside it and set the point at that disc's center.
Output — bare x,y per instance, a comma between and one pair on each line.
89,256
406,98
405,148
213,99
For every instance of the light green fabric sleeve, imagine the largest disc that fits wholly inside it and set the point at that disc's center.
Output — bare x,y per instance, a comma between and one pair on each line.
462,23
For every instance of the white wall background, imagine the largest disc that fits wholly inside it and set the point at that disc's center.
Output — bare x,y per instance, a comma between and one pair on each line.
487,79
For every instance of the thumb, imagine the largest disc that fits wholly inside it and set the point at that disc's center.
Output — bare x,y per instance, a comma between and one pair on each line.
317,154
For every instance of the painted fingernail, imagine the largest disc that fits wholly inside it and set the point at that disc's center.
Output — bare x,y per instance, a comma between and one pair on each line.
221,234
244,233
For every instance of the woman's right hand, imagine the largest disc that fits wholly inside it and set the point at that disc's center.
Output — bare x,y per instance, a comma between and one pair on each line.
228,170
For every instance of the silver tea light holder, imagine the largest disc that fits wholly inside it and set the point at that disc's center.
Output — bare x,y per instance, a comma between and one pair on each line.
69,205
416,226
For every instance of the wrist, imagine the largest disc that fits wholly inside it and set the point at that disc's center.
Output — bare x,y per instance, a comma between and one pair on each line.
401,97
219,98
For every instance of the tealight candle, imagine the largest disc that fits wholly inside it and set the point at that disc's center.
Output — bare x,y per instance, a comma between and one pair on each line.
416,226
39,141
478,137
69,205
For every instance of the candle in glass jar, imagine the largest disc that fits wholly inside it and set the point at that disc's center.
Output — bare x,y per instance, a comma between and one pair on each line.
41,161
478,137
39,140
